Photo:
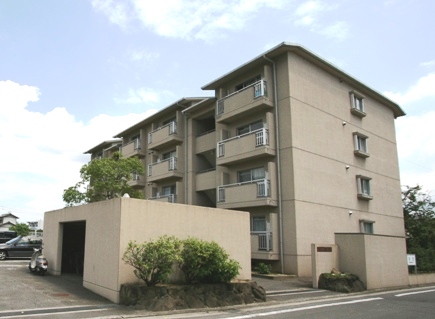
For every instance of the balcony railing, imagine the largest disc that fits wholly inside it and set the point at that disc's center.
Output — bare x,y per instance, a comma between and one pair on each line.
259,89
171,162
131,148
261,139
263,189
172,129
171,198
265,241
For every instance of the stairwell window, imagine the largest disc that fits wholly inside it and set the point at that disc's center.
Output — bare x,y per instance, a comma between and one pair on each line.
360,144
366,226
363,187
357,104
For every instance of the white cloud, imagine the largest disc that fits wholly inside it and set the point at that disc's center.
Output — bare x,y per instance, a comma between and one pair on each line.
117,11
416,136
422,89
187,19
308,14
42,153
143,55
143,95
428,63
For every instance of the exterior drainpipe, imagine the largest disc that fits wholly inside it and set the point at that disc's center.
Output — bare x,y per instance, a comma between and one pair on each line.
278,160
186,164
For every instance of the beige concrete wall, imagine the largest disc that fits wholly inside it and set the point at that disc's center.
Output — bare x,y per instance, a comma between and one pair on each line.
110,225
379,261
421,279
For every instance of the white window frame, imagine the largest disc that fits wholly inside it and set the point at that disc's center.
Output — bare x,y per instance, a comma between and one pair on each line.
357,104
360,144
364,187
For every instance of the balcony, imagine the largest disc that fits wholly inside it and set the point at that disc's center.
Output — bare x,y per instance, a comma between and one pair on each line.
171,198
206,180
138,181
164,136
163,170
252,98
132,149
205,142
247,194
262,246
244,147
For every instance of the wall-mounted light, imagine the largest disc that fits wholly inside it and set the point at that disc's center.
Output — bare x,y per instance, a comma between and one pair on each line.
347,166
343,123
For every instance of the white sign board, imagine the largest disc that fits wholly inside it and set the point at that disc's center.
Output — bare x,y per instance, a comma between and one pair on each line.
411,260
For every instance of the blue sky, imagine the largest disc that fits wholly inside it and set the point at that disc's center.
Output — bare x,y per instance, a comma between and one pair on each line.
74,73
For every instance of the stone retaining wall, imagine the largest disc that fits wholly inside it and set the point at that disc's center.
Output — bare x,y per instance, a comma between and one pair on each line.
172,297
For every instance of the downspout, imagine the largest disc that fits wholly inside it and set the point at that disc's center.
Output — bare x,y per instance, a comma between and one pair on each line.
278,162
186,165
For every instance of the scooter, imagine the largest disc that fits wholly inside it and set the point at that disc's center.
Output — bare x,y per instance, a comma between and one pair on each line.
38,263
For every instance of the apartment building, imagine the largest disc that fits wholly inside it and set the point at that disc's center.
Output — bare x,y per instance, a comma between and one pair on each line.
306,149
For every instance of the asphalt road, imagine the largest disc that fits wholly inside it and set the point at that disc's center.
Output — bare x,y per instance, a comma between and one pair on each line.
25,295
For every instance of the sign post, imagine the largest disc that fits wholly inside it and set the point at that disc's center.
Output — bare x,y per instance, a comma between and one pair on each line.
412,261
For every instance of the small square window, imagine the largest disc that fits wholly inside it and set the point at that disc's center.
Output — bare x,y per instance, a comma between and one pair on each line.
360,145
357,104
366,226
363,187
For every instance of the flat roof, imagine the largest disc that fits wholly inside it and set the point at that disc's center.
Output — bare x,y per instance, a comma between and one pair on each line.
310,56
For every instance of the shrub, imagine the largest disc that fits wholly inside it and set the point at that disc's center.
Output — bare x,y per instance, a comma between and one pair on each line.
153,261
206,262
264,268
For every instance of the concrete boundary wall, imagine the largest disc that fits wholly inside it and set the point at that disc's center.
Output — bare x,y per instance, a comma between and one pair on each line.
421,279
111,224
379,261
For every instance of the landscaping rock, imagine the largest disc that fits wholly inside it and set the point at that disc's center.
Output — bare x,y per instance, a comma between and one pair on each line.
172,297
340,282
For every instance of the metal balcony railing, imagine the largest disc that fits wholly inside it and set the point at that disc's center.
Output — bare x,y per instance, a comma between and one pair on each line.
265,241
172,129
171,197
261,138
263,188
260,89
172,165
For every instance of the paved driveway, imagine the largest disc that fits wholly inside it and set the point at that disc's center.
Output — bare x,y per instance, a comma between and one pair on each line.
25,293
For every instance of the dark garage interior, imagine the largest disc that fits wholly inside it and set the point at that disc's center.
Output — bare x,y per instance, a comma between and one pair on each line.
73,247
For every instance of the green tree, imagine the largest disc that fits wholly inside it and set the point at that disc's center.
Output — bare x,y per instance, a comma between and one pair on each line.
419,214
104,178
21,229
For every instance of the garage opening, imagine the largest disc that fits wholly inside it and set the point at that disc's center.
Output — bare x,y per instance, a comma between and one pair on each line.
73,247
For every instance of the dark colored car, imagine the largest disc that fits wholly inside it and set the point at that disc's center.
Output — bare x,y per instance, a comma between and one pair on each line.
7,236
19,247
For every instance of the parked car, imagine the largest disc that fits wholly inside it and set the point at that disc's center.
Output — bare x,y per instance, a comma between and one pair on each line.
6,236
19,247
